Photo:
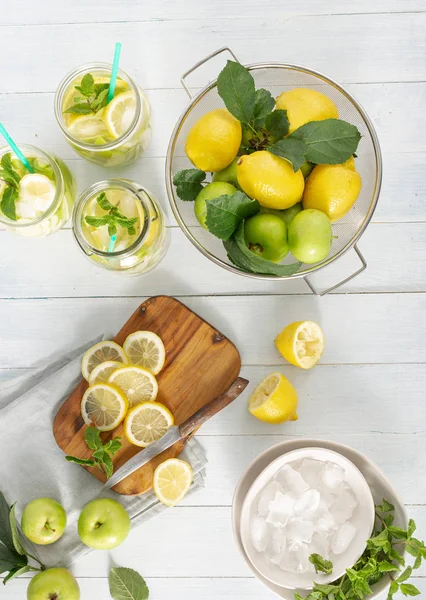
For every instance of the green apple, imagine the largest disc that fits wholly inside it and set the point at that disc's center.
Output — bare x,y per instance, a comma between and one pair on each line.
53,584
103,524
287,214
209,192
266,236
309,236
307,168
228,174
43,521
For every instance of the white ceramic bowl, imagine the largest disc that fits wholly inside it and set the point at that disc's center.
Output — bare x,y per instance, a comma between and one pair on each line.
380,487
362,519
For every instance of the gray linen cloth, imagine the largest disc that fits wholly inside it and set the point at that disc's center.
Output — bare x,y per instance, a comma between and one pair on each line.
33,466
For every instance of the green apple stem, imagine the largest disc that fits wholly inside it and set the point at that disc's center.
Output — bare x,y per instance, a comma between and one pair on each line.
42,567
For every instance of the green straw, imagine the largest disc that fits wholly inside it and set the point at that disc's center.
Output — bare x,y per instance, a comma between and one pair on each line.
15,148
112,243
114,72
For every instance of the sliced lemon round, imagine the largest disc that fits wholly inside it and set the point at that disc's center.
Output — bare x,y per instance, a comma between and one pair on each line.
274,400
37,191
90,129
119,113
172,480
145,349
137,383
102,372
99,353
103,406
301,343
146,423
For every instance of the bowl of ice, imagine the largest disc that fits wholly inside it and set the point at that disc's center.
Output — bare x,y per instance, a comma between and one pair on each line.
307,501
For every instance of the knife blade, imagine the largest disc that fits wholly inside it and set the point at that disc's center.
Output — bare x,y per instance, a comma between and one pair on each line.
177,433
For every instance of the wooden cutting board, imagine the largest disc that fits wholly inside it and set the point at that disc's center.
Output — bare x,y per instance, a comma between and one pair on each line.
201,363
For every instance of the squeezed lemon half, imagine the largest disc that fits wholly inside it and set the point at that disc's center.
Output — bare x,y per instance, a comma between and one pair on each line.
301,343
274,400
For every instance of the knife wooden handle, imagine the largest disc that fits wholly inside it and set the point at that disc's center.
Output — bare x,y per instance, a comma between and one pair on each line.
213,407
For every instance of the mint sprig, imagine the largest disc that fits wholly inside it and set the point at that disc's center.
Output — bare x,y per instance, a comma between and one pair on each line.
94,97
112,219
322,565
10,194
102,453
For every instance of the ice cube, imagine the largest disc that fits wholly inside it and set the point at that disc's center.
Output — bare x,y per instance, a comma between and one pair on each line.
297,561
299,531
342,538
307,503
260,533
344,505
280,509
332,476
311,470
266,496
320,546
291,480
289,561
324,523
276,546
25,210
326,499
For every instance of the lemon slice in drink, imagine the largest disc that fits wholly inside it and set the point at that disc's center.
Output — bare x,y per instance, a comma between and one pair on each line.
36,192
119,114
274,400
102,372
103,406
99,353
146,423
301,343
145,349
90,129
172,480
137,383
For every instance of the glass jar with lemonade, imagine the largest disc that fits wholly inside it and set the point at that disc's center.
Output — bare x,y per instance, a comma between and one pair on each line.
111,133
119,226
36,202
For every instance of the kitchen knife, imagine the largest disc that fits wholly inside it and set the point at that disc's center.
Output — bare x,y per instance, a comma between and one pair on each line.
176,433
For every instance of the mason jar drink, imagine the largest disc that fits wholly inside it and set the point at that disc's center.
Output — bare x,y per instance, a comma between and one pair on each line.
119,226
38,203
111,133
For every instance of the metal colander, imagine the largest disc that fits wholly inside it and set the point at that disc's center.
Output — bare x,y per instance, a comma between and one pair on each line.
278,77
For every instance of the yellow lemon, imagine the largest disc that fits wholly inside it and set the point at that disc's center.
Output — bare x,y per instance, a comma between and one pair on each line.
333,189
301,343
270,179
274,400
172,480
304,105
214,140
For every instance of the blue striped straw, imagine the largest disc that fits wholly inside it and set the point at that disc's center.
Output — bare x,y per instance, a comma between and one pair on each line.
15,148
114,72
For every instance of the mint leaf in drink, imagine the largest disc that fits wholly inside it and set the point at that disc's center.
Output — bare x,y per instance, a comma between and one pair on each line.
79,109
235,85
100,101
188,183
112,229
242,257
8,203
104,203
8,169
87,87
226,212
97,221
95,97
322,565
112,219
277,124
291,149
127,584
329,142
263,105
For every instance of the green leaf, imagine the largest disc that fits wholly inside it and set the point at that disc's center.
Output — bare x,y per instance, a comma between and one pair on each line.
113,445
87,87
112,229
15,533
263,105
380,540
82,108
277,124
100,101
298,596
8,168
397,532
409,590
92,438
107,465
104,203
127,584
321,564
326,588
98,221
8,203
411,528
331,141
394,555
386,567
125,221
291,149
235,86
100,87
385,506
99,454
188,183
414,546
9,559
15,573
87,462
394,587
405,575
242,257
5,529
225,213
417,562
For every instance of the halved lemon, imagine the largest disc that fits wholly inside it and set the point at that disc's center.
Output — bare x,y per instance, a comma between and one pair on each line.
102,372
301,343
145,349
274,400
99,353
146,423
172,480
103,406
119,113
90,129
137,383
37,190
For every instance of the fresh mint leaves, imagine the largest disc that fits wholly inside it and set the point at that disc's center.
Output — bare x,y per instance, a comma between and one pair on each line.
225,213
235,85
112,219
94,97
188,183
102,453
10,194
322,565
127,584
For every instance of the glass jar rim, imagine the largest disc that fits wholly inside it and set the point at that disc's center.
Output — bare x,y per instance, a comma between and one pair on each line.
59,182
141,194
64,85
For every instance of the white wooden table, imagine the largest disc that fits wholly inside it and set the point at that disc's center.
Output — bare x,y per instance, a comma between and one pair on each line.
368,390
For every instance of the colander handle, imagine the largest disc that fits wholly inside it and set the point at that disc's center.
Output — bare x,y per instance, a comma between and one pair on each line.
337,285
201,62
